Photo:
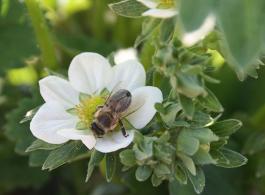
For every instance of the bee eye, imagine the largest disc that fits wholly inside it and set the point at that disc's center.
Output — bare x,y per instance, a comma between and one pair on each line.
128,94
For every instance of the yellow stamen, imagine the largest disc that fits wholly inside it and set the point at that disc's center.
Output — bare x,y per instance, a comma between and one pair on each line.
87,108
167,2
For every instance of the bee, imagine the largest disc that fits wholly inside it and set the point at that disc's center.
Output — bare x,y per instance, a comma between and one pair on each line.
109,115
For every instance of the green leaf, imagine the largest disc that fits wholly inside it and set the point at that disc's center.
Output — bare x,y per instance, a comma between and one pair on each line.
180,174
205,135
143,173
169,113
148,27
238,46
164,152
189,85
128,157
188,163
128,8
198,180
187,106
210,102
167,30
37,158
187,144
226,127
255,143
161,170
95,159
144,150
192,14
201,119
156,181
64,154
41,145
111,164
29,115
230,159
203,157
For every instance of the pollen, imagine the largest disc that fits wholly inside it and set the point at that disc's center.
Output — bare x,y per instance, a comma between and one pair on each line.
167,2
87,108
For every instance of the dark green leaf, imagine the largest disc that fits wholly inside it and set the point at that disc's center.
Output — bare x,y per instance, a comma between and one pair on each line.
180,174
128,8
64,154
167,30
188,163
187,105
239,48
95,159
203,157
189,85
231,159
128,157
37,158
161,170
41,145
143,173
210,102
111,164
198,180
186,143
148,27
226,127
156,181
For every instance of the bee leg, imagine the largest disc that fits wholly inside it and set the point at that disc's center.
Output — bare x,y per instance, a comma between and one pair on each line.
123,129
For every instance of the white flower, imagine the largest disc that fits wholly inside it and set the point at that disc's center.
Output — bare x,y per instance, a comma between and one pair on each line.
159,8
90,73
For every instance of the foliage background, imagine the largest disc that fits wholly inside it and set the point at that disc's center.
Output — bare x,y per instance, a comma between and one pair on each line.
86,25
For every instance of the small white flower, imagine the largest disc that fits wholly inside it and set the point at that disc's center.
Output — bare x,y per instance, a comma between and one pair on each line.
90,73
159,8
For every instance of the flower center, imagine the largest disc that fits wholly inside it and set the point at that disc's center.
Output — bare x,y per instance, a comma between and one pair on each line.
166,4
87,108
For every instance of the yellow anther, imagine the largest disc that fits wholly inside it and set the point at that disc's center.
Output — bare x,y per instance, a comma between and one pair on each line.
87,108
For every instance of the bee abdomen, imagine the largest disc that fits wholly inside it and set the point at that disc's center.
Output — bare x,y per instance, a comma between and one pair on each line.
96,129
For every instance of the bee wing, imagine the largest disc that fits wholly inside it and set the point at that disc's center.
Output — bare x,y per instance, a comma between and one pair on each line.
115,88
131,111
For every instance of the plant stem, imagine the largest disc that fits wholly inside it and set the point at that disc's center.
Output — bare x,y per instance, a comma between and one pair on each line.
43,36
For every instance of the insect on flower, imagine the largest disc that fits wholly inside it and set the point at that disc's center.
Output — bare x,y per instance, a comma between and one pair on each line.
88,107
109,115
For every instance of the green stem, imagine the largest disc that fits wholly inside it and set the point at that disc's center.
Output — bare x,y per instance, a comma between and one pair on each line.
43,36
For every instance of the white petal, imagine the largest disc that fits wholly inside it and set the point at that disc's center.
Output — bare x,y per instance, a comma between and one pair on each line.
56,89
89,72
128,75
160,13
50,118
124,55
143,105
114,141
149,3
190,38
86,137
